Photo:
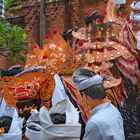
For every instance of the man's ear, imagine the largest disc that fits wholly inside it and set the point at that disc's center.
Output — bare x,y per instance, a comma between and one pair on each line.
87,99
82,93
84,96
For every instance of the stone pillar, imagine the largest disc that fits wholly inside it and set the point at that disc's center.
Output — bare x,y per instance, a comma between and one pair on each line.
75,12
55,16
32,26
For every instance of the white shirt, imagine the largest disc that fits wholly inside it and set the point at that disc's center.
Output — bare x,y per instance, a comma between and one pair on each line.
105,123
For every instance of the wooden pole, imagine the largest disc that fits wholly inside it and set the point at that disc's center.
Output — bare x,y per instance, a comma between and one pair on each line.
42,21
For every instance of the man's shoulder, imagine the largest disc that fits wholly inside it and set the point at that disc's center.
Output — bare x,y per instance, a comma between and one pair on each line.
111,110
92,126
94,121
105,116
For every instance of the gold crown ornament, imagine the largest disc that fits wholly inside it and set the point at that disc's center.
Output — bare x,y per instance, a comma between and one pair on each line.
56,56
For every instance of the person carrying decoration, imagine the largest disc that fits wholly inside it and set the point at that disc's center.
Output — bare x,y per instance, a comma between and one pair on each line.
105,52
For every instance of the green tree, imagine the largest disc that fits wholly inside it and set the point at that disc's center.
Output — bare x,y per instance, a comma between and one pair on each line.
8,4
12,41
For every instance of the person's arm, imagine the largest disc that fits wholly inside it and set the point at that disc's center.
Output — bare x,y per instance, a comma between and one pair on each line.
92,132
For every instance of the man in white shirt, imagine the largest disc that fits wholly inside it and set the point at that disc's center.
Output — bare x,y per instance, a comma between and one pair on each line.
105,122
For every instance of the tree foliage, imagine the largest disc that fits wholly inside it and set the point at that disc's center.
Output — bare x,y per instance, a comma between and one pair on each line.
10,3
12,40
7,4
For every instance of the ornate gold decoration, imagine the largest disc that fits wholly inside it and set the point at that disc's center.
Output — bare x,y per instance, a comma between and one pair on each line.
105,51
111,82
26,109
47,88
104,66
110,96
108,80
57,56
73,61
24,86
81,34
99,53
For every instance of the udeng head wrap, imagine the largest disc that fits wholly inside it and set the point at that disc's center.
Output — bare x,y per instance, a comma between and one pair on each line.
83,81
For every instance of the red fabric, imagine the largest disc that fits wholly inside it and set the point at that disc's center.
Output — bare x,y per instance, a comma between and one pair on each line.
73,93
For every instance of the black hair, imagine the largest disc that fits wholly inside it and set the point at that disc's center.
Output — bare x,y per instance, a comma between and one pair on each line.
95,91
92,17
67,35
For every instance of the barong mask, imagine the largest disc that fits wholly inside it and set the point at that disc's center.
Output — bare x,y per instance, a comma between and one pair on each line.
24,86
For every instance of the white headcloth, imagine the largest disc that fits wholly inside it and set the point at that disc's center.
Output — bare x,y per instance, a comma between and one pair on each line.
83,82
